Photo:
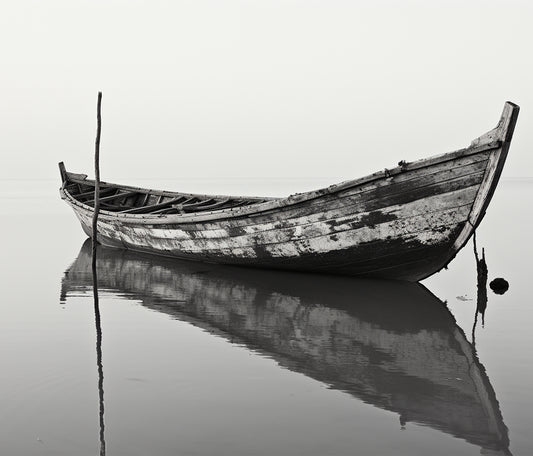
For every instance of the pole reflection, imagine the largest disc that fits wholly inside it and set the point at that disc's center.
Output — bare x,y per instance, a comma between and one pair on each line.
98,325
481,299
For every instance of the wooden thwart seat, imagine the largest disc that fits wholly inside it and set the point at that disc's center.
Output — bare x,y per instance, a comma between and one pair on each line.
112,197
183,205
151,208
103,191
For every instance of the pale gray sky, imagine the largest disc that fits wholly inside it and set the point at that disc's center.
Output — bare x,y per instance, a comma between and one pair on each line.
326,90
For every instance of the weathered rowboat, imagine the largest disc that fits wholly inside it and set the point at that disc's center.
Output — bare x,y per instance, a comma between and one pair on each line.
393,345
403,223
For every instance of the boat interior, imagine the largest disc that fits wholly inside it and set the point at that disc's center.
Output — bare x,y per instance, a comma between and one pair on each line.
131,200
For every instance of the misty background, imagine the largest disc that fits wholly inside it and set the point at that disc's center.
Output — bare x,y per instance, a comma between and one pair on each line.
256,96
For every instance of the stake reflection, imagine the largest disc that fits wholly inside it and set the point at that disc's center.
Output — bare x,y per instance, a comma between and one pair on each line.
98,325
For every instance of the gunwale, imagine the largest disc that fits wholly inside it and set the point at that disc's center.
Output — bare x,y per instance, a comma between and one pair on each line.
270,204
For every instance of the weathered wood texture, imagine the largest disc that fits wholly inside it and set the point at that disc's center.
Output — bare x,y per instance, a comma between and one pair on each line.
97,175
406,223
391,344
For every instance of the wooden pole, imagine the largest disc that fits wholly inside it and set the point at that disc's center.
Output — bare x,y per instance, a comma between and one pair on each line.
95,279
97,173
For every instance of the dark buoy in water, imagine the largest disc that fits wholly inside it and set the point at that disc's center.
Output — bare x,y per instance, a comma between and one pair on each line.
499,286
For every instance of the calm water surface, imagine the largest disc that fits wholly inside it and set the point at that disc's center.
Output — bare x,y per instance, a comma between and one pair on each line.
203,360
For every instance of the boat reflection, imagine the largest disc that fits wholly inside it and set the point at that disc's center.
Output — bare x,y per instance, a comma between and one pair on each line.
390,344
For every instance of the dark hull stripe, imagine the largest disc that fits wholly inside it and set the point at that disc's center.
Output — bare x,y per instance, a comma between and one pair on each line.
283,220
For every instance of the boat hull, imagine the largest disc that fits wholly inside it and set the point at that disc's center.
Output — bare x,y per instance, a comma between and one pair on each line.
411,255
406,223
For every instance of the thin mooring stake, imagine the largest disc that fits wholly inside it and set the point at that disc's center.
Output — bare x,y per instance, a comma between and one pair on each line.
95,280
97,173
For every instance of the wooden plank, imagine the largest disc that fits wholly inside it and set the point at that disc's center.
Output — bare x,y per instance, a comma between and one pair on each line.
145,199
431,227
113,197
276,225
188,206
231,254
393,188
397,214
180,208
345,261
72,187
333,213
165,210
152,207
82,178
309,231
504,132
112,207
197,206
103,191
277,202
63,172
333,220
78,178
440,171
216,205
371,200
278,210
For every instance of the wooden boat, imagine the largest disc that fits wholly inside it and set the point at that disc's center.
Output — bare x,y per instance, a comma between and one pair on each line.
403,223
393,345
